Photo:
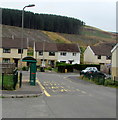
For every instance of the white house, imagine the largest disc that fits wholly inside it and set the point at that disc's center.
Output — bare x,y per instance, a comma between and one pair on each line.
114,63
50,53
68,53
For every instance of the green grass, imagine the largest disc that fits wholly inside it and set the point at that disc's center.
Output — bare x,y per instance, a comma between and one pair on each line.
0,79
108,82
7,82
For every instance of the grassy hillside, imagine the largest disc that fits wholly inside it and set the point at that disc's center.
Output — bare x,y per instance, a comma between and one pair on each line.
89,35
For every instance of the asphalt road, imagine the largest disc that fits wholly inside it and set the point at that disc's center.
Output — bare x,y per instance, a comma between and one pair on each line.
69,98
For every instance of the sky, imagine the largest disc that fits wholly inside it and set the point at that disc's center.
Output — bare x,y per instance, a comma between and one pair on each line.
96,13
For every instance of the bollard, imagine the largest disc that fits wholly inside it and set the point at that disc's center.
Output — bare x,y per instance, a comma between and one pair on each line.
65,70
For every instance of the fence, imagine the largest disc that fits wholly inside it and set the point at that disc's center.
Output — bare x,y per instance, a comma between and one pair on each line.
9,81
7,68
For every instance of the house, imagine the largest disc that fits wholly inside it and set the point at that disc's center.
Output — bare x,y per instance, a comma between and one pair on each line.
100,54
50,53
114,63
10,51
68,53
46,53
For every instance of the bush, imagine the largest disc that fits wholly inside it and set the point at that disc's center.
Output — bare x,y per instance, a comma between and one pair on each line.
49,68
109,82
63,66
25,68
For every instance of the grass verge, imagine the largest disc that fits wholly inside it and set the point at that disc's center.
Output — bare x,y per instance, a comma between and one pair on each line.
108,82
7,82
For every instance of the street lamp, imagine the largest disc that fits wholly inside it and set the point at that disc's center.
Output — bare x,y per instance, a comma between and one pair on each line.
43,62
31,5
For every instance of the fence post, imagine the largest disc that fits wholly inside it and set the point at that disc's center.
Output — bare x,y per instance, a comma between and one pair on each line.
2,80
20,84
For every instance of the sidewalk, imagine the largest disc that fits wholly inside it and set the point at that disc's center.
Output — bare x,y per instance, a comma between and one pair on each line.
25,91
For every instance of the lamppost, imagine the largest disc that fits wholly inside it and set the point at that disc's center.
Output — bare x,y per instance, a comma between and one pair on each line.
31,5
43,62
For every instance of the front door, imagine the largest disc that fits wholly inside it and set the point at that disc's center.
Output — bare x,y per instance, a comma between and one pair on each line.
16,61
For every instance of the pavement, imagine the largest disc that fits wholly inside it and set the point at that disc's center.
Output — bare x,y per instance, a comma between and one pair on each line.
25,91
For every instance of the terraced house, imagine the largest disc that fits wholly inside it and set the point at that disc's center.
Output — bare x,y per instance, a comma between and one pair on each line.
100,54
10,50
50,53
114,62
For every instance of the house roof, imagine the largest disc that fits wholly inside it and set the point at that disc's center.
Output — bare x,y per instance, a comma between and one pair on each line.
103,49
57,47
68,47
48,47
13,43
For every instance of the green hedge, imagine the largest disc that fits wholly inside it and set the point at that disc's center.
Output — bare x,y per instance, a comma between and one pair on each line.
62,66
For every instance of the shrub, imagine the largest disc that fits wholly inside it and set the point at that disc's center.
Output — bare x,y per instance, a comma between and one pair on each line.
49,68
25,68
63,66
109,82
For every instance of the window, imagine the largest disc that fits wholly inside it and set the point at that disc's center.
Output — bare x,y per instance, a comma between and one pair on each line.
51,53
6,50
63,53
74,54
99,56
108,57
6,60
40,53
19,51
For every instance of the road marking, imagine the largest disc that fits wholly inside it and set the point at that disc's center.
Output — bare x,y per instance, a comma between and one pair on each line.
83,92
46,93
77,89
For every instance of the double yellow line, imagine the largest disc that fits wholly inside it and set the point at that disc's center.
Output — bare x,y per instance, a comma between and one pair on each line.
44,90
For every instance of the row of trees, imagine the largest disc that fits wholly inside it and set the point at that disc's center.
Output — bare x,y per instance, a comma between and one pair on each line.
46,22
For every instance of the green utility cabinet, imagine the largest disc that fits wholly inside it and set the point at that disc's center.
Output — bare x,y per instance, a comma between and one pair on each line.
33,73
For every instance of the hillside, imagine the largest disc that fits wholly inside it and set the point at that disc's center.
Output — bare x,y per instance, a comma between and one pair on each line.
89,35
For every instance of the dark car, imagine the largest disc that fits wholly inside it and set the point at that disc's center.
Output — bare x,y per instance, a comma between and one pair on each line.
96,73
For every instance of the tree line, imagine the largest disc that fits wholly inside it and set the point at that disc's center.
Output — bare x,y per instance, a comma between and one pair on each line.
47,22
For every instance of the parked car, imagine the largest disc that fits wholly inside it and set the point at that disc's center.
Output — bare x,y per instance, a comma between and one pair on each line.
89,69
96,73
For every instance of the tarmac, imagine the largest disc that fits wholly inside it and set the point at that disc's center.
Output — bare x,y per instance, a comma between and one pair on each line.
25,91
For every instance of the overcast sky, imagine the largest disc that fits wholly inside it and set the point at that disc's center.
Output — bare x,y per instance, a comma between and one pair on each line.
96,13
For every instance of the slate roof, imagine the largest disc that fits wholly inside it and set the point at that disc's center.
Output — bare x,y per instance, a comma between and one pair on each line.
68,47
13,43
57,47
48,47
103,49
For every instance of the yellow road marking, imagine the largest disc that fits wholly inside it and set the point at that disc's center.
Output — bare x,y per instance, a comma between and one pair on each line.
46,93
83,92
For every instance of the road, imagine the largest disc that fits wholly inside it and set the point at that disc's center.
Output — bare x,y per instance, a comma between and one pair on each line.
67,97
